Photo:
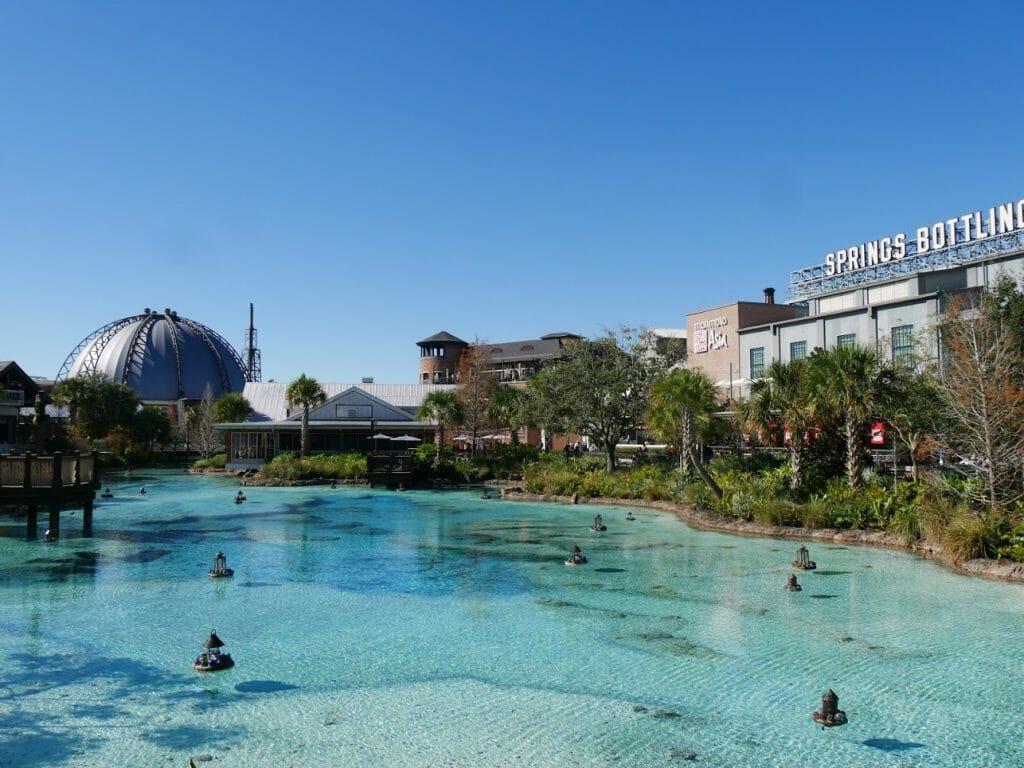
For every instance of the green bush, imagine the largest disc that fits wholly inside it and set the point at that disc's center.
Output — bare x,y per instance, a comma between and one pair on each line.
218,461
975,535
340,466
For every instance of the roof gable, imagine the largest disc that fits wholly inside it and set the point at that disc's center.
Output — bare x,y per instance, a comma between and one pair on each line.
354,404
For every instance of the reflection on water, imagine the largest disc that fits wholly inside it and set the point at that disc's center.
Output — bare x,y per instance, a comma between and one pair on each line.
420,629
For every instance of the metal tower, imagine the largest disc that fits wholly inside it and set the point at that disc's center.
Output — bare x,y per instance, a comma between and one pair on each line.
251,353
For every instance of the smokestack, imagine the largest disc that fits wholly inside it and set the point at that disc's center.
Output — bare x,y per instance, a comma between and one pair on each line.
769,295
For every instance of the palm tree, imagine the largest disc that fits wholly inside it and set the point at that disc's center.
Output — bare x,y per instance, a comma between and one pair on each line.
778,397
308,393
505,410
680,411
443,407
853,383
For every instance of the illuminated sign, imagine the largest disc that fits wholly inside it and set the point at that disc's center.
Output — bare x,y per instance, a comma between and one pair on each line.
709,335
968,228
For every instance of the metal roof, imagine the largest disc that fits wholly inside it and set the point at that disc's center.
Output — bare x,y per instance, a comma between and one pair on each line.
270,404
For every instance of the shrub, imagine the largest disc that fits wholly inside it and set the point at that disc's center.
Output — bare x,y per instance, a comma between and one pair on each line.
340,466
218,461
975,535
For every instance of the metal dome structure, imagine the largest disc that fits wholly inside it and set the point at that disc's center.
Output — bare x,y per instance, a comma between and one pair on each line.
163,357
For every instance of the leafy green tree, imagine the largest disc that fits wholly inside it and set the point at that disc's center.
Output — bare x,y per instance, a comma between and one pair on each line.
150,427
231,408
443,407
306,393
778,399
854,384
599,388
916,414
506,410
682,404
98,405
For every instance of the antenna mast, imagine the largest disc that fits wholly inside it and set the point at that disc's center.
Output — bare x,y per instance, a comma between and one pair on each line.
253,371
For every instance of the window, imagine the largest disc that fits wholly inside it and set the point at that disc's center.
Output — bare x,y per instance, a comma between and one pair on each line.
757,362
846,340
903,346
797,350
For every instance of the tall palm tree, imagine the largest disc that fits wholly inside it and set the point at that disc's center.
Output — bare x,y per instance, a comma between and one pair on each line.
443,407
506,410
681,407
779,398
855,384
307,393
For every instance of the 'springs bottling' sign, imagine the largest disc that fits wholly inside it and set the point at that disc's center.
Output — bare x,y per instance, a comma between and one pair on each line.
977,225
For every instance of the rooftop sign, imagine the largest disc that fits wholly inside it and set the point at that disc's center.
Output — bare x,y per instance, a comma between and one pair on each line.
970,227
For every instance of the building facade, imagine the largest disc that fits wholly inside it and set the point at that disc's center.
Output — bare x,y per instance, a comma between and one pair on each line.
511,362
713,339
888,293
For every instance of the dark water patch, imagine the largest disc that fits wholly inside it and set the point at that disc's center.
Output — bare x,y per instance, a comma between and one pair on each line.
676,645
831,573
683,755
146,555
610,570
892,745
836,546
656,635
554,602
823,597
845,639
665,714
151,537
264,686
256,584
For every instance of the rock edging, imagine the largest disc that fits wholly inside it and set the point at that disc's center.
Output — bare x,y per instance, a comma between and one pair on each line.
712,521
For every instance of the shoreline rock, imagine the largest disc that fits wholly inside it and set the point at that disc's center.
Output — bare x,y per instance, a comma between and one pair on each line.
703,519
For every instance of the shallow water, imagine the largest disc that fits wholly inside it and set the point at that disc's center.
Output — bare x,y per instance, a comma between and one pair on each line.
438,629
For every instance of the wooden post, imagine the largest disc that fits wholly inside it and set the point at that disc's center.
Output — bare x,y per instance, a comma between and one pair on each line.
28,470
54,520
87,517
32,527
56,471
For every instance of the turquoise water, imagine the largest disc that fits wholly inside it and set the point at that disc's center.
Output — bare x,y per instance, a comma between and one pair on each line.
437,629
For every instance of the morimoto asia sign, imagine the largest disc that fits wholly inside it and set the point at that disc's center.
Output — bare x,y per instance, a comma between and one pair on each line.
709,335
977,225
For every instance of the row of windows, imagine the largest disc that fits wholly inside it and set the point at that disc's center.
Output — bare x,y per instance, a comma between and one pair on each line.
902,349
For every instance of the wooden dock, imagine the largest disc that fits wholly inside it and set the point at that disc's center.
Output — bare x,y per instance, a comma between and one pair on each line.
54,481
390,468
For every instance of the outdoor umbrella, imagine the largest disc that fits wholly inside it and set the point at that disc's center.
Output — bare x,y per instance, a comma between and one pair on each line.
379,436
406,439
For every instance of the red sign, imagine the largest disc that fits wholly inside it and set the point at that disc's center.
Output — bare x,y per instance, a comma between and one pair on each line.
878,433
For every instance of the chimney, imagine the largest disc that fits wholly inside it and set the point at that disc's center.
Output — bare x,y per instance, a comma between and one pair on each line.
769,295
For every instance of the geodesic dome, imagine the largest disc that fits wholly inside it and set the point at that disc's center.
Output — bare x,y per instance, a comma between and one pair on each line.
162,356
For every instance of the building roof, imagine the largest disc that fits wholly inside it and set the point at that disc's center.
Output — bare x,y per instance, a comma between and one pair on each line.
527,349
10,371
442,336
268,400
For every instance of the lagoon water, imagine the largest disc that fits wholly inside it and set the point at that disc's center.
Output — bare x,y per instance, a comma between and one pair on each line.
437,629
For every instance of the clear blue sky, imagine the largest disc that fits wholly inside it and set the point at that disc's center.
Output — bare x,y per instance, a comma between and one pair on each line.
371,173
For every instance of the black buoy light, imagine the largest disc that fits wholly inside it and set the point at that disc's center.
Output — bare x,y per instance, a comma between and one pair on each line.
830,714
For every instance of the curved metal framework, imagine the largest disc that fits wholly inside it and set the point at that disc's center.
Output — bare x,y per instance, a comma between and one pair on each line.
811,282
104,334
98,340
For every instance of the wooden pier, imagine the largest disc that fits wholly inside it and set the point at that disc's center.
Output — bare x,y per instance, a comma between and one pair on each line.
390,468
54,481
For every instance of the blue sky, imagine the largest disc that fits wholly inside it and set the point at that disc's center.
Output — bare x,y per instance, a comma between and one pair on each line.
368,174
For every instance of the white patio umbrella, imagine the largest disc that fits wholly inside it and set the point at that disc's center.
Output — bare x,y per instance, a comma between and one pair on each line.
406,439
379,436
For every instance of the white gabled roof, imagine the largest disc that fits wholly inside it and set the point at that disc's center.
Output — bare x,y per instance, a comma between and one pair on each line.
268,397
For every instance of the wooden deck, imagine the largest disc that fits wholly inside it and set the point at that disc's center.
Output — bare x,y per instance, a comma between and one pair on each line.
390,468
54,481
